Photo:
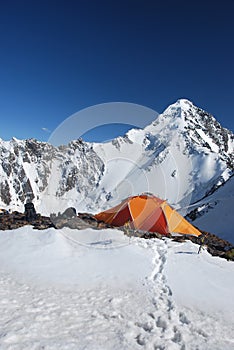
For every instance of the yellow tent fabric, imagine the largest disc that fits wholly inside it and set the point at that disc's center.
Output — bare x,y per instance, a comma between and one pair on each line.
148,213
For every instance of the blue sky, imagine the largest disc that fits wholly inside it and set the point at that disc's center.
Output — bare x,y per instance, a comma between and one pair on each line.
58,57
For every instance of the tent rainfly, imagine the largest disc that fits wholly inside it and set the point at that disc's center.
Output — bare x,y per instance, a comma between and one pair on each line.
148,213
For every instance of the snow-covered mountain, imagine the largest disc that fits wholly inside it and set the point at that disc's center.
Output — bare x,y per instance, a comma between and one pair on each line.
182,156
215,212
45,174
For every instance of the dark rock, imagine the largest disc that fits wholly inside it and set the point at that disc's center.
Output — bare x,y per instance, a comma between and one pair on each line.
89,218
5,192
69,213
14,220
214,245
30,212
73,223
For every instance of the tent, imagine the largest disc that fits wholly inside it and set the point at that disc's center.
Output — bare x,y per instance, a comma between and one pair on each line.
147,213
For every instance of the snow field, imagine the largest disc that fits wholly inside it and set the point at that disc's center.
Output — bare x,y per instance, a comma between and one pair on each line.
217,214
99,290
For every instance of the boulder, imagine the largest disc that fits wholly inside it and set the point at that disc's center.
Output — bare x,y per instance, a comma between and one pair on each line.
69,213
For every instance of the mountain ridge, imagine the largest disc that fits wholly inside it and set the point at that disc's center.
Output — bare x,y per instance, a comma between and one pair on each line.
181,156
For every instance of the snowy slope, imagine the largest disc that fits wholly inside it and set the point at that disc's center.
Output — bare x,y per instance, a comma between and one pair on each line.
140,294
215,212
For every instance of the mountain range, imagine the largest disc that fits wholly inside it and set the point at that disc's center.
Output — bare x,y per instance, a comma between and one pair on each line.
185,156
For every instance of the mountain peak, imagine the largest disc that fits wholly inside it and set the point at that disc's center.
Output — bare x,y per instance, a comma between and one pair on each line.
183,102
198,128
177,109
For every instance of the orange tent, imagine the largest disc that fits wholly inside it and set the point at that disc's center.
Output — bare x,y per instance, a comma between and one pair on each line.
147,213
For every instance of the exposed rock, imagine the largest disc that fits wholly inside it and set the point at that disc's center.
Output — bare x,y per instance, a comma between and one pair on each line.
14,220
77,167
5,192
71,220
30,212
89,218
69,213
214,245
73,223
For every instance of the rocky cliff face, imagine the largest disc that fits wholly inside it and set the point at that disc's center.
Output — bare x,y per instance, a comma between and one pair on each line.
28,169
182,156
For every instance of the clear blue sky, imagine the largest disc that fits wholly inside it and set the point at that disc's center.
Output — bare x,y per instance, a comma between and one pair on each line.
57,57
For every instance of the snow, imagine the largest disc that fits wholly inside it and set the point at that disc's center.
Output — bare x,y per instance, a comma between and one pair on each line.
210,280
95,289
50,251
146,165
207,139
218,217
207,167
136,136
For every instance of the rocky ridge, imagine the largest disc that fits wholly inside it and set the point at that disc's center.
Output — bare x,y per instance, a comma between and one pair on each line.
10,221
26,167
